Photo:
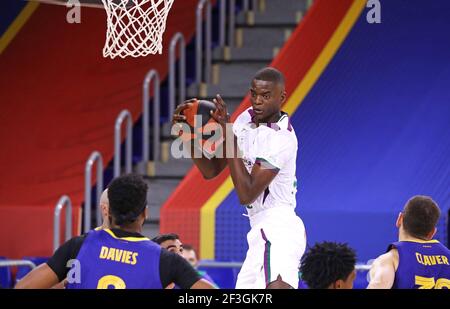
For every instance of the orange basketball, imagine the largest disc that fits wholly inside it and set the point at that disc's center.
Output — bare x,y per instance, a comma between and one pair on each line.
203,127
201,109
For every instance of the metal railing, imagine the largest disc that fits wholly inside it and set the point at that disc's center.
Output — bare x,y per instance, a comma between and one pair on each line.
362,267
9,263
199,42
222,18
64,202
152,75
95,157
216,264
231,22
250,6
124,115
177,39
245,5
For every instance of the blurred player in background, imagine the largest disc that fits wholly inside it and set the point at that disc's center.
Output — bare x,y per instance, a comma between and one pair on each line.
191,256
104,209
119,257
171,242
416,260
329,265
265,181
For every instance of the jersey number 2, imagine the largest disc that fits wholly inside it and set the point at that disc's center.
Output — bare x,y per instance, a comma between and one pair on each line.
109,280
429,283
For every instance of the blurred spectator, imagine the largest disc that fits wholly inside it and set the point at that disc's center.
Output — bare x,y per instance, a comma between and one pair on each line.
191,256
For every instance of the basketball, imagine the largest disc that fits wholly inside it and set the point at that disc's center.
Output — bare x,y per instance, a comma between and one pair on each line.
202,126
200,108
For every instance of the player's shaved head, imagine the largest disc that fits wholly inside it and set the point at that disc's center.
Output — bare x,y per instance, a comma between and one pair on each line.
104,198
104,207
270,74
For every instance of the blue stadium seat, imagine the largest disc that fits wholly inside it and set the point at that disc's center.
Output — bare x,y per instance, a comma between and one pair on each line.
23,270
5,275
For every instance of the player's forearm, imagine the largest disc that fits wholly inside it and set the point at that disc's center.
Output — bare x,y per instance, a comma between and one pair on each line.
242,180
380,283
209,168
42,277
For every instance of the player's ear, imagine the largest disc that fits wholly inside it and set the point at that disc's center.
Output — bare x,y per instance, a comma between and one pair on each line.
146,212
399,221
431,235
105,210
339,284
336,285
283,96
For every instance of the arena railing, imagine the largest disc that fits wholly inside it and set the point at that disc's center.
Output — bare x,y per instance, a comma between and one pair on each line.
231,22
177,39
216,264
124,115
206,76
64,202
95,157
9,263
249,7
152,75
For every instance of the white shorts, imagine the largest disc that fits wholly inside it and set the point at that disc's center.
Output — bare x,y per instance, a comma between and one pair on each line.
276,243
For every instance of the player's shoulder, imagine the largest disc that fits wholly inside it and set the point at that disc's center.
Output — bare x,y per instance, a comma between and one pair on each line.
170,259
284,124
390,257
438,244
282,132
245,116
281,138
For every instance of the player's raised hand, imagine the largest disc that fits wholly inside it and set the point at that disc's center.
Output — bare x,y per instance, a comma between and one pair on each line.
221,114
177,116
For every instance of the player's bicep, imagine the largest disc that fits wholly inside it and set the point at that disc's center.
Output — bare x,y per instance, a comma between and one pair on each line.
210,168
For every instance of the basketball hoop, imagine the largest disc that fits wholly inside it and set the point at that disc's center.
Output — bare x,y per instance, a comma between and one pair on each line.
135,27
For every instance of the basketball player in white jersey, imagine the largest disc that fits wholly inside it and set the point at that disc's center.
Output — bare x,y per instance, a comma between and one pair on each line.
263,175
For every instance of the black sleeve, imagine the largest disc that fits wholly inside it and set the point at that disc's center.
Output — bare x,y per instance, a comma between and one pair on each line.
69,250
174,268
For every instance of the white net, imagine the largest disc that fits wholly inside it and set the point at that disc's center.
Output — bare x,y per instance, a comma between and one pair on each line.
135,27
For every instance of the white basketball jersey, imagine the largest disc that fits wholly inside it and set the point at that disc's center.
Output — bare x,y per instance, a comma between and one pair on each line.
274,146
